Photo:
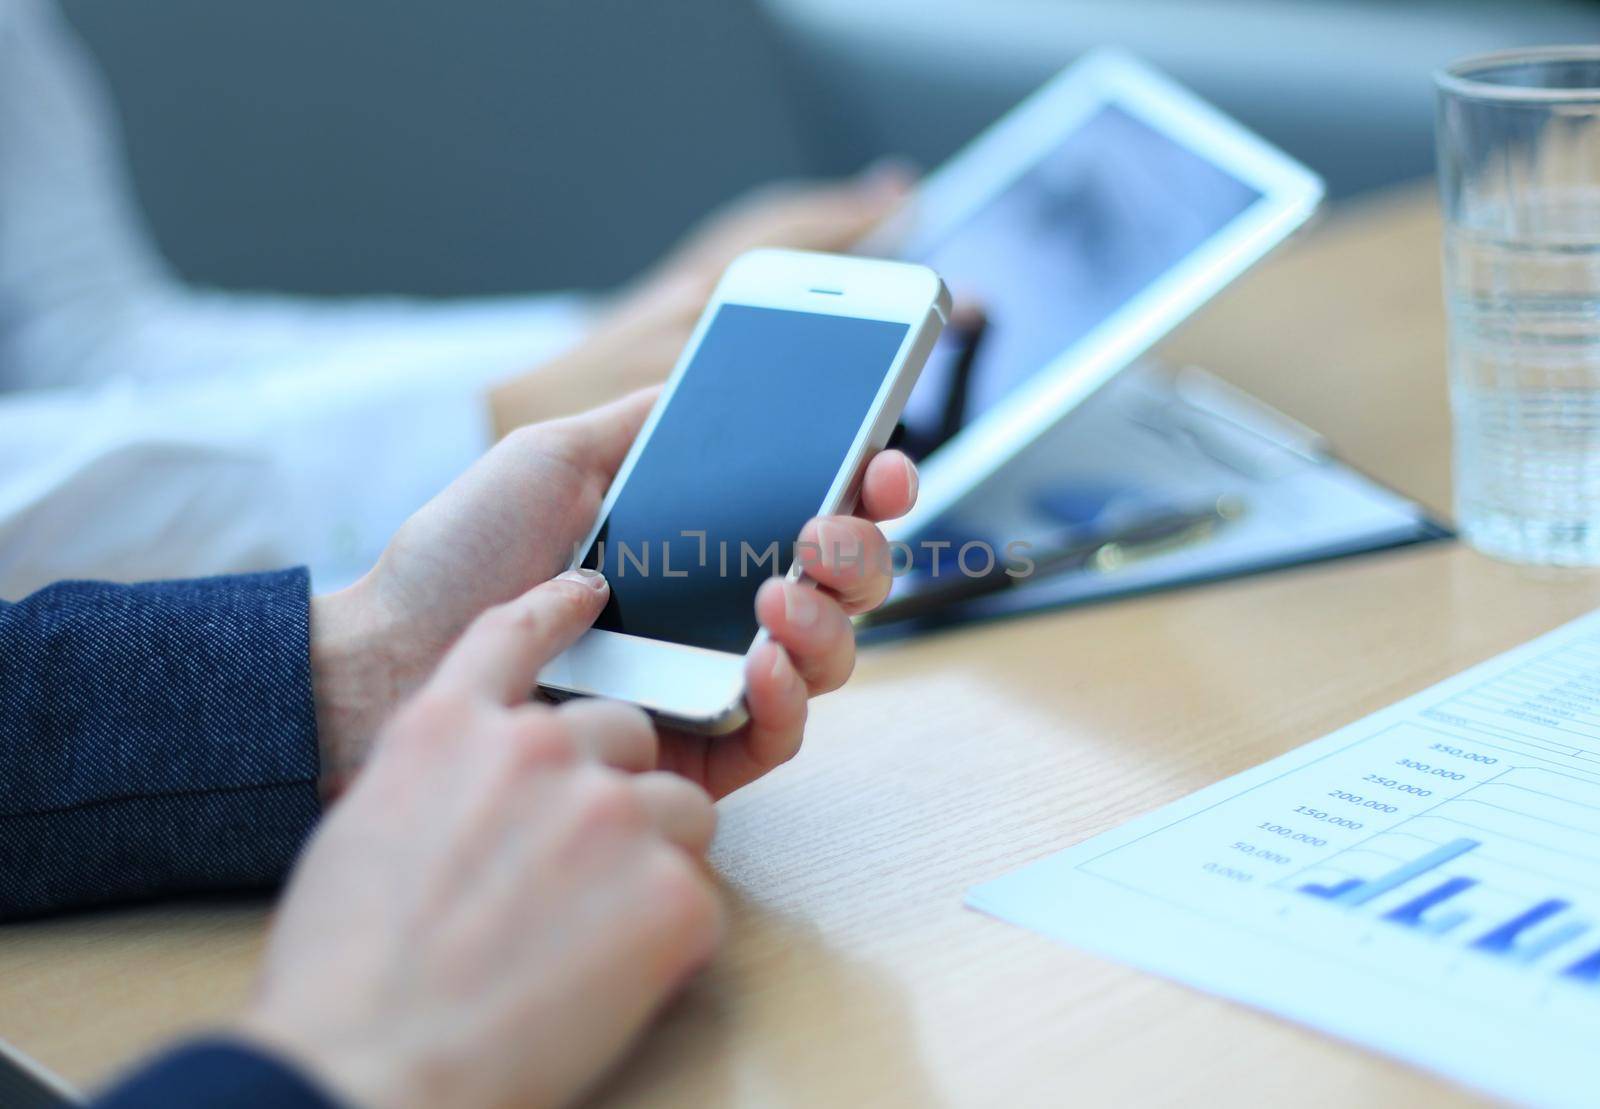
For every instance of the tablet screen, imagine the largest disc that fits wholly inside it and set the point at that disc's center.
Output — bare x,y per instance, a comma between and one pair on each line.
1056,252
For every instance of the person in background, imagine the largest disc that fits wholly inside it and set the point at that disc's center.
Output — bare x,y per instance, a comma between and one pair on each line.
504,891
149,429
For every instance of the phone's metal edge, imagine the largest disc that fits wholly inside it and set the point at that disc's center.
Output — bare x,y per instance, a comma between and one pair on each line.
730,719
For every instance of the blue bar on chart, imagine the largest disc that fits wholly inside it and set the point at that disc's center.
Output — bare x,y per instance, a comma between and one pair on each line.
1413,914
1507,941
1355,891
1586,969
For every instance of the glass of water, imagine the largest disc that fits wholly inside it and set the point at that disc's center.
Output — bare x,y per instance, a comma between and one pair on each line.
1519,175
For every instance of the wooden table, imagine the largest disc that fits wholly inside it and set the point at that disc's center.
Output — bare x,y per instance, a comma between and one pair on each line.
852,974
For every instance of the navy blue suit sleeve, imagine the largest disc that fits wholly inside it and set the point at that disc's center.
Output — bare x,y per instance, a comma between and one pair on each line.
155,739
215,1074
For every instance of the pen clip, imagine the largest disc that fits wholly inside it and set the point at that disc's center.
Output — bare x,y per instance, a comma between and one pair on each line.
1117,554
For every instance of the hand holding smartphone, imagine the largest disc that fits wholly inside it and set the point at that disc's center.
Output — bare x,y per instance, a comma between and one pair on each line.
794,377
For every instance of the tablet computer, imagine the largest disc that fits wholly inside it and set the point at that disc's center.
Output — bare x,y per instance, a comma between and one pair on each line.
1085,224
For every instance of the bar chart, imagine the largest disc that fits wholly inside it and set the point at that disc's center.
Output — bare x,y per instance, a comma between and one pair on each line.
1494,845
1357,891
1425,881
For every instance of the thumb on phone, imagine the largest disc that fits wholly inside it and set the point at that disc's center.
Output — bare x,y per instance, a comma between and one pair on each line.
501,653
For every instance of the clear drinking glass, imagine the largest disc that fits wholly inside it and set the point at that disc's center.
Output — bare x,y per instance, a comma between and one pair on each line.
1519,175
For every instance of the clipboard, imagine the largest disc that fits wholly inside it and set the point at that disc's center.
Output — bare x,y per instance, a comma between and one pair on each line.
1154,441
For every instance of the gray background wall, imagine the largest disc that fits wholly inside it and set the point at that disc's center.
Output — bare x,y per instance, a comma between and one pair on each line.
493,145
460,147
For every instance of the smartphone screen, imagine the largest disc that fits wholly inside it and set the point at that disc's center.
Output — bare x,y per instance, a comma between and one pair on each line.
743,455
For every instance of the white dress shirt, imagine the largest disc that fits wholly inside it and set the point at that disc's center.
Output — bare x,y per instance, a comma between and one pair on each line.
148,429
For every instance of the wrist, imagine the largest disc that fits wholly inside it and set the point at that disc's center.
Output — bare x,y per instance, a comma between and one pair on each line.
354,682
348,1068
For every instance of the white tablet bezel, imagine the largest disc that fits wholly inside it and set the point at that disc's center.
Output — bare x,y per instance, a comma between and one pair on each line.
1290,193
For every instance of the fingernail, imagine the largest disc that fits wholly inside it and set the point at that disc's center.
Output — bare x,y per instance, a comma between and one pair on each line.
594,579
779,662
912,481
799,605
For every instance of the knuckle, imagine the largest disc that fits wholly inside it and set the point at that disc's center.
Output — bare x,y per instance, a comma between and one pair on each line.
488,621
431,716
523,439
878,591
607,803
844,664
509,616
542,740
786,744
682,899
876,548
572,595
607,720
630,718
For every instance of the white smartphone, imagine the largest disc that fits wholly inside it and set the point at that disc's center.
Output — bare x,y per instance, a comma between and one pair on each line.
793,378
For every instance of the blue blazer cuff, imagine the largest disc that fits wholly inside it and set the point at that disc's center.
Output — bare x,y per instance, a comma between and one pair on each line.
155,739
216,1074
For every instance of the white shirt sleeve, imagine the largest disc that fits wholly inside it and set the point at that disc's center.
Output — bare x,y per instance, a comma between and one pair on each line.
130,482
150,429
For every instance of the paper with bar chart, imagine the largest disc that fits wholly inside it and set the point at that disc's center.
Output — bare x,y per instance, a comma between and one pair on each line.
1425,882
